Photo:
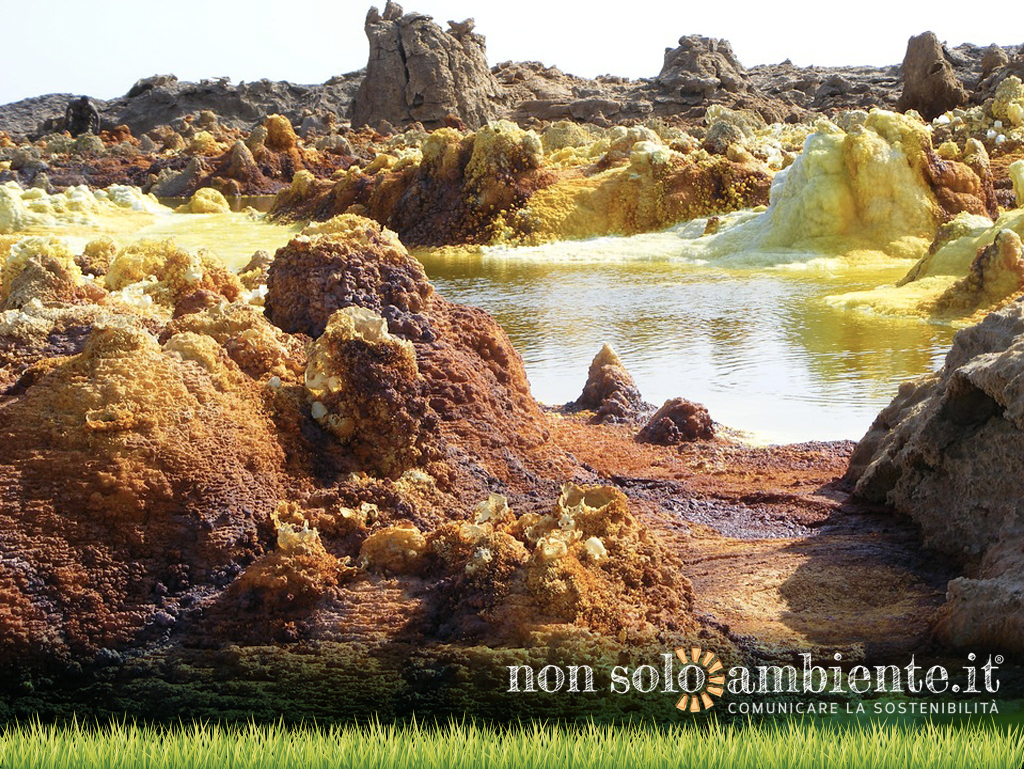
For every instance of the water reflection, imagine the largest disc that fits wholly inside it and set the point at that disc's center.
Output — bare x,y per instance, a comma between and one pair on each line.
759,347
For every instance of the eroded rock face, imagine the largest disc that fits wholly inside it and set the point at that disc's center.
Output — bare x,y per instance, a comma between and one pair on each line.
930,84
419,72
949,452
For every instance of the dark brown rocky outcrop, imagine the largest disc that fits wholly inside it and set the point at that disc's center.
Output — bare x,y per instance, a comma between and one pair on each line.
314,276
700,67
678,421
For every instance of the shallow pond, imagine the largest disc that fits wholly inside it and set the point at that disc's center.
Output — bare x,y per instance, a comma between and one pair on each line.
758,346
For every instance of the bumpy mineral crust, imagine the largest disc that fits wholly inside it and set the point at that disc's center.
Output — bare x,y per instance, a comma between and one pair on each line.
332,486
168,467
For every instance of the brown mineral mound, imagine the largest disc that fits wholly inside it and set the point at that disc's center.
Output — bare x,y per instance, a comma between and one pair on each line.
948,452
128,471
676,421
241,481
610,391
42,268
447,369
367,389
349,261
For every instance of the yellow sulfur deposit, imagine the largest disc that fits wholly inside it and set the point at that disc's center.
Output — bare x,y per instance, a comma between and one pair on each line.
205,201
995,274
6,242
396,549
1009,101
280,136
440,153
958,242
565,134
915,298
39,267
15,214
861,190
203,143
972,264
170,273
1016,170
260,349
35,211
502,152
655,189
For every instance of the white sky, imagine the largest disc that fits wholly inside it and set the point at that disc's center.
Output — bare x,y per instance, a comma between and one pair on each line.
102,47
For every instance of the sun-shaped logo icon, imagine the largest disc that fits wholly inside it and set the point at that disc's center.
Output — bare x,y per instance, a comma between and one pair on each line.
704,678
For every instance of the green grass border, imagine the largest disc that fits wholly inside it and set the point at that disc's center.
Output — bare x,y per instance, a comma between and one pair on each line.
464,744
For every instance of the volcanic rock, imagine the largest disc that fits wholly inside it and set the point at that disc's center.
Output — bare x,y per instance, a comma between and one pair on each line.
993,58
700,67
949,453
678,421
149,83
930,84
419,72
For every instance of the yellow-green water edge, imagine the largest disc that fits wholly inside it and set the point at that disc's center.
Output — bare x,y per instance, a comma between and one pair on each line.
234,237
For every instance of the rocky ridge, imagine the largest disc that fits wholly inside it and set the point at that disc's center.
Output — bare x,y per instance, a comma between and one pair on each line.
418,72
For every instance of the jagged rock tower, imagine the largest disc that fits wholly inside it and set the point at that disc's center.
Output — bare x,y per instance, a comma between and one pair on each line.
419,72
930,84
